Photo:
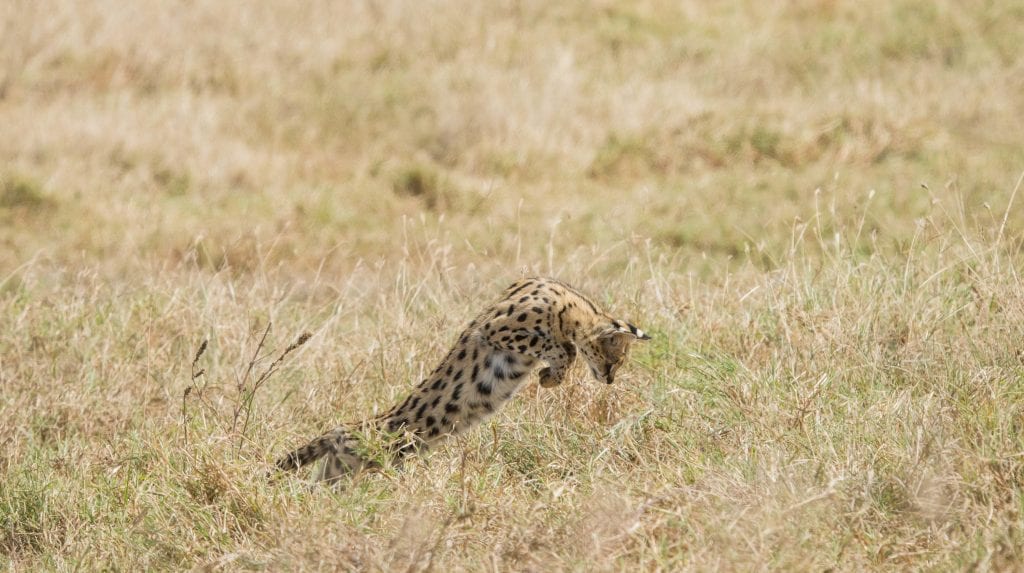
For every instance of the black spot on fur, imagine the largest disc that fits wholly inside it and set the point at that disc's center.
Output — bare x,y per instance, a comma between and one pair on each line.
395,425
451,408
520,288
430,421
484,389
521,317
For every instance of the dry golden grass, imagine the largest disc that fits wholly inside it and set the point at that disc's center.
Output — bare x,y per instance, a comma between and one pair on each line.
810,204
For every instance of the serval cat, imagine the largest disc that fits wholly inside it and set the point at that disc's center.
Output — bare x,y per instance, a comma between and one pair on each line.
536,320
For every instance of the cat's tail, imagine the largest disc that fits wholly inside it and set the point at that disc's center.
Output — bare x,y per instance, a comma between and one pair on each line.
309,453
338,446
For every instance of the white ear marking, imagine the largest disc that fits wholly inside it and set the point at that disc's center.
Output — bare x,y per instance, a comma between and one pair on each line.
626,328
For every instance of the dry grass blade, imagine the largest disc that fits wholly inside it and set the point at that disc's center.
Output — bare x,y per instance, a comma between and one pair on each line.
188,389
249,395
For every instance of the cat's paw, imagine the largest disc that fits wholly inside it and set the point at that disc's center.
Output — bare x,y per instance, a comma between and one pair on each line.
547,380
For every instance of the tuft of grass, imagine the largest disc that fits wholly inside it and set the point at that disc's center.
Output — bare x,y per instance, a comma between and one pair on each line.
431,187
18,192
30,523
173,183
420,182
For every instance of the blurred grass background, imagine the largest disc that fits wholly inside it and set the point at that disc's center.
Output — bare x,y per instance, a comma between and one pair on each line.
149,132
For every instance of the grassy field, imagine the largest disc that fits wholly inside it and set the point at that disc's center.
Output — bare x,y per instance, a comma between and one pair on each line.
809,204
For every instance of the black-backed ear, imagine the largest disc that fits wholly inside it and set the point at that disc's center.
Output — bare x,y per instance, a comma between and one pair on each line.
621,328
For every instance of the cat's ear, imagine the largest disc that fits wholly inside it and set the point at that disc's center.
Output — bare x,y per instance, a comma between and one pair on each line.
625,331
